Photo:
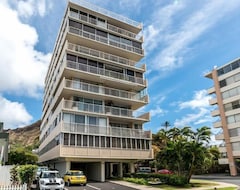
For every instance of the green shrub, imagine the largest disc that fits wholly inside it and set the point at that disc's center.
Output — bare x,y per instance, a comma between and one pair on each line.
176,180
141,181
27,174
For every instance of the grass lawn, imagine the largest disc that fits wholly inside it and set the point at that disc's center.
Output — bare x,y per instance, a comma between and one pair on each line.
194,183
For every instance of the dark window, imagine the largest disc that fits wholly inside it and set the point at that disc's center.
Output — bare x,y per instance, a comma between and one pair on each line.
71,57
72,139
222,83
79,143
75,24
235,105
102,33
65,138
82,60
91,141
220,72
108,141
79,119
83,13
102,141
74,10
140,75
227,69
85,140
137,45
92,63
124,143
96,141
235,65
130,72
89,29
114,142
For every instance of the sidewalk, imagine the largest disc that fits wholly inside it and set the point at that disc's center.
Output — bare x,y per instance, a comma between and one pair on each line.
144,187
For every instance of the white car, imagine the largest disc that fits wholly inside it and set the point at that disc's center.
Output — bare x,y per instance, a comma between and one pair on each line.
49,180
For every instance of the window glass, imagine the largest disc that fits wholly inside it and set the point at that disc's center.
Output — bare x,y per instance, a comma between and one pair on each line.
126,41
67,117
79,143
89,29
222,83
237,118
230,119
71,57
137,45
82,60
75,24
72,139
91,141
80,119
114,38
235,65
85,140
227,68
102,33
65,138
237,77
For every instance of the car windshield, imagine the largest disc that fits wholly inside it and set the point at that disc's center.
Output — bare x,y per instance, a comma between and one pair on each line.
77,173
51,175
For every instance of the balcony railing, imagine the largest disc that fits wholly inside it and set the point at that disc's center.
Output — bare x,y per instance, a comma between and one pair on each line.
100,54
110,27
105,130
104,72
104,40
95,108
107,13
104,90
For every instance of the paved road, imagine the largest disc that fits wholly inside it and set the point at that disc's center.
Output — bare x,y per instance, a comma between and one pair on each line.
100,186
220,177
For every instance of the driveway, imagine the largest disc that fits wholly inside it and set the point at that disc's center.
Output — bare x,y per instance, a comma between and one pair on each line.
226,178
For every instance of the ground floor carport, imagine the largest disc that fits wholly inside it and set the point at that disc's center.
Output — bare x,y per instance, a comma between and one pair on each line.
96,170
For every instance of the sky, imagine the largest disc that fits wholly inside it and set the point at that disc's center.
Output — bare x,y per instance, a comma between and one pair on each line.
183,40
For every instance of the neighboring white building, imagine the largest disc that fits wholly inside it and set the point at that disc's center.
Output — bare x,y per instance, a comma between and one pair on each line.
4,142
93,89
227,99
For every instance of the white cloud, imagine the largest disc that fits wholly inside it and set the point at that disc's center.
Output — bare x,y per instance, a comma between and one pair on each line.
22,67
174,45
200,107
28,8
200,100
157,111
13,114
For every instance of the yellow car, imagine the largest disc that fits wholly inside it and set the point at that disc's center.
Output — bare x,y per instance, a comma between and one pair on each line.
75,177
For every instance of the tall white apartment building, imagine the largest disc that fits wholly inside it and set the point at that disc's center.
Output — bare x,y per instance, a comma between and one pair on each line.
93,89
227,102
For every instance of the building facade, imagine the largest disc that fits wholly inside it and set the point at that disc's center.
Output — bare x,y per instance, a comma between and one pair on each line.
4,143
93,89
226,91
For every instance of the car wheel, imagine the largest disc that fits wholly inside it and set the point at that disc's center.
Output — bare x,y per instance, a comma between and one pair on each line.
84,184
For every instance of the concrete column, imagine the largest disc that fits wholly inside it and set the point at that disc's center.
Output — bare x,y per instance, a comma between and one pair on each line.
68,165
102,171
132,167
120,169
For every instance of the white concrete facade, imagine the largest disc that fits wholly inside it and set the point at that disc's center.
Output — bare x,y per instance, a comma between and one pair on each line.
93,90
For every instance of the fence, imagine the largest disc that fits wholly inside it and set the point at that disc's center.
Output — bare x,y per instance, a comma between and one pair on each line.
13,187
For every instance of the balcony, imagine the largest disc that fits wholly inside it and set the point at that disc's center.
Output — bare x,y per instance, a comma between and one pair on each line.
136,100
217,124
105,40
102,55
104,72
213,101
112,28
219,136
105,130
215,113
211,90
106,110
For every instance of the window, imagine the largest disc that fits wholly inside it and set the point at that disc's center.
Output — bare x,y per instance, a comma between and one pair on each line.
89,29
91,141
102,141
79,142
96,141
85,140
80,119
102,33
72,139
65,138
230,119
235,104
235,65
137,45
75,24
71,57
222,83
82,60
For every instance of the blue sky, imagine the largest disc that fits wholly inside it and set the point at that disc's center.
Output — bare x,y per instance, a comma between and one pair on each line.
183,39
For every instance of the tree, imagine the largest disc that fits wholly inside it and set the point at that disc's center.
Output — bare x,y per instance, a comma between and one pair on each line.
27,174
22,156
184,150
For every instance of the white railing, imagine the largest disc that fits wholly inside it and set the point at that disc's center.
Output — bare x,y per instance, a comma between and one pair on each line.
104,90
104,72
14,187
104,40
100,54
108,26
107,12
104,130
